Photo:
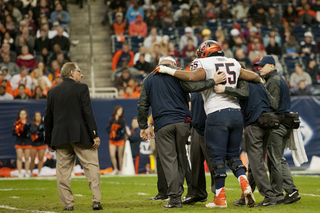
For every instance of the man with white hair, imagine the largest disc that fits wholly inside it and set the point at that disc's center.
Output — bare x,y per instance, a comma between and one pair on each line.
5,49
184,39
60,39
152,38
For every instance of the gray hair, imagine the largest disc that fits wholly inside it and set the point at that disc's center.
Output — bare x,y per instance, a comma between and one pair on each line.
66,69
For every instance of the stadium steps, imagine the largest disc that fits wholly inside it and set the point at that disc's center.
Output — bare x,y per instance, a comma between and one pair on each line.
80,53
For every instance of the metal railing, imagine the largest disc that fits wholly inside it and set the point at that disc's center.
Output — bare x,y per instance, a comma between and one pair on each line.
104,92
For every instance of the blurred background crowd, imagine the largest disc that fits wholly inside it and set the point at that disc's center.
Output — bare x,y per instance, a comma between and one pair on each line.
143,31
35,41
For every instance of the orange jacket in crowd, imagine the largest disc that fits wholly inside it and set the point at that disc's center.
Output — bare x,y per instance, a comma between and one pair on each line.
8,88
26,90
117,56
141,29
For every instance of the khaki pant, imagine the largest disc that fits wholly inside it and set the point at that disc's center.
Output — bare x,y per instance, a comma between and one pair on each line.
65,162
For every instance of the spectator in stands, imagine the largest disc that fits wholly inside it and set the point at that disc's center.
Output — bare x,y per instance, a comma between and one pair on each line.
167,20
12,66
117,6
308,46
307,16
291,48
45,71
260,16
4,96
129,93
256,53
117,73
279,66
313,70
63,41
210,10
205,35
38,75
5,74
10,41
5,50
163,45
56,51
116,130
10,25
134,138
123,80
234,33
15,12
225,13
300,4
273,47
58,80
23,77
22,94
299,75
38,145
302,91
121,93
151,18
138,27
240,56
188,34
3,30
22,130
220,37
184,20
316,8
241,10
172,50
61,16
189,50
43,8
152,38
42,42
142,50
239,44
133,12
273,17
246,33
290,16
178,13
119,27
29,39
55,67
273,33
227,51
197,18
122,55
143,67
61,60
38,94
28,18
26,59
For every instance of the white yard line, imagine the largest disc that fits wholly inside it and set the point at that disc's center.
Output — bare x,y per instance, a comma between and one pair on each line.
25,210
312,195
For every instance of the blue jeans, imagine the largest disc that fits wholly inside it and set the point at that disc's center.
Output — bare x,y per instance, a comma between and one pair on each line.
223,134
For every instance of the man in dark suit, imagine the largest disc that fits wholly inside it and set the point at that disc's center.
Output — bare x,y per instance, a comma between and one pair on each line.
72,130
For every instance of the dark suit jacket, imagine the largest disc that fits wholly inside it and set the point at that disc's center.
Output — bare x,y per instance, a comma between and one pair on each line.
69,116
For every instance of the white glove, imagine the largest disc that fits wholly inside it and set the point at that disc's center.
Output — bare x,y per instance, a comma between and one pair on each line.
166,70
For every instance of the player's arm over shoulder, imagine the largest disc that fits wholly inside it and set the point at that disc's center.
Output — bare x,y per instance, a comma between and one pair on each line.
248,75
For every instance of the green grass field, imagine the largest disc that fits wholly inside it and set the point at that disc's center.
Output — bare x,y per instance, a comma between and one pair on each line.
123,194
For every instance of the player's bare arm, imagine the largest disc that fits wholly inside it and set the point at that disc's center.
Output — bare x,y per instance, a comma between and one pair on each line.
248,75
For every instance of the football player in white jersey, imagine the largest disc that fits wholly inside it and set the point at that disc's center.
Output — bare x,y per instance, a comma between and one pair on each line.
224,125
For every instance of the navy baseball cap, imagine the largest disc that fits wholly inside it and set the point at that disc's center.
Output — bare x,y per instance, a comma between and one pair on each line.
267,59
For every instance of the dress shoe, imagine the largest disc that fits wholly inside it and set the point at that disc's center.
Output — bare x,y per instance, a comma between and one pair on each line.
190,200
172,205
159,197
240,202
96,206
267,202
68,208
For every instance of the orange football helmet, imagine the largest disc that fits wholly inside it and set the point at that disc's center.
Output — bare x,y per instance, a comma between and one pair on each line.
208,47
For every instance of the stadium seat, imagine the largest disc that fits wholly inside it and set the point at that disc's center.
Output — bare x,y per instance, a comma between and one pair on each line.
212,23
136,39
168,31
300,28
243,23
226,23
180,31
289,63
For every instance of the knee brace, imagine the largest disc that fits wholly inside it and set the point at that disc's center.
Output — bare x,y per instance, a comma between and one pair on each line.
219,170
235,164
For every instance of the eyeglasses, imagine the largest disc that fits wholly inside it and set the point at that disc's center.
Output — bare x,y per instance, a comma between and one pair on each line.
80,71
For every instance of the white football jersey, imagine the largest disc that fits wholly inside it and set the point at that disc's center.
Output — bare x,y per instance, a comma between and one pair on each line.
211,65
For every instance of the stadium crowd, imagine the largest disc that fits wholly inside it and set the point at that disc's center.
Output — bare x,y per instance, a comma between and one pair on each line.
143,31
34,46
